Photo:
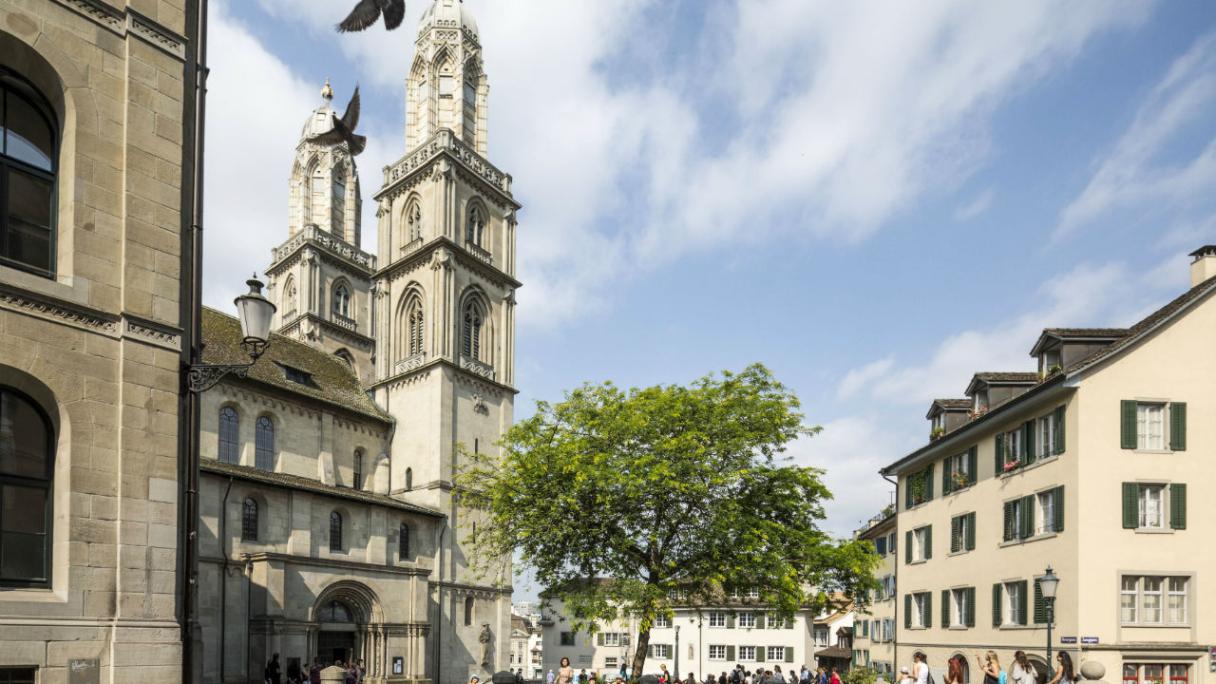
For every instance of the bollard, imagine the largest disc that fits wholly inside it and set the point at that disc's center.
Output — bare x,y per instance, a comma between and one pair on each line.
333,673
1093,671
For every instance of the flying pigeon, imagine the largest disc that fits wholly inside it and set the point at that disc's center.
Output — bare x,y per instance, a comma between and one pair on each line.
344,129
368,11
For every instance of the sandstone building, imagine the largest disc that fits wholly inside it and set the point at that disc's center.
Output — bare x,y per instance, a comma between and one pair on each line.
330,525
1091,466
96,123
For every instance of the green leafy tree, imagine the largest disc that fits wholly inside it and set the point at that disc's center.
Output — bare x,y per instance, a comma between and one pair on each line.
619,500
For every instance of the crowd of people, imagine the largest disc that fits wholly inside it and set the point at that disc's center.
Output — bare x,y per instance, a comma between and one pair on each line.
1020,671
273,673
739,675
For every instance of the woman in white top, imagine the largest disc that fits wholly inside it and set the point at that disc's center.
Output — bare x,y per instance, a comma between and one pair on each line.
1021,672
920,668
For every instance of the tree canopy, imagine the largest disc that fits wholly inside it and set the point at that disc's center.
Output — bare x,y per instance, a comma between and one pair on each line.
625,502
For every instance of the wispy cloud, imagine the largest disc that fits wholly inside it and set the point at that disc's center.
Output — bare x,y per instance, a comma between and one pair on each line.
1138,177
974,207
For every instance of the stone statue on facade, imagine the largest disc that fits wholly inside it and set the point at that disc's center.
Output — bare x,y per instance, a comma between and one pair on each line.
486,638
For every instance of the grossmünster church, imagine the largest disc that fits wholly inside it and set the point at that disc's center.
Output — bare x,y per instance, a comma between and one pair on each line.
330,528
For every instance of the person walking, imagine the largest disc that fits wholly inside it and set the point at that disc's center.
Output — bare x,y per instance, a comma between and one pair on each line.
990,665
821,676
920,668
565,673
954,670
272,673
905,676
550,677
835,678
1021,671
1064,673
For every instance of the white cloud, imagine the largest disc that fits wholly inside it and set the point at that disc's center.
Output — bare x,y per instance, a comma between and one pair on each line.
1134,176
858,378
975,207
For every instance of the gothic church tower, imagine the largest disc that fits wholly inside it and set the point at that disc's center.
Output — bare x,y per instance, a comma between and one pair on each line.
319,278
444,299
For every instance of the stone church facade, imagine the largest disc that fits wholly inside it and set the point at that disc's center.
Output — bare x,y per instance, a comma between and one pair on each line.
330,525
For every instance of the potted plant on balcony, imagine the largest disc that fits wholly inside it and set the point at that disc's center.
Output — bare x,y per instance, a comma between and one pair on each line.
1011,466
960,479
918,491
936,433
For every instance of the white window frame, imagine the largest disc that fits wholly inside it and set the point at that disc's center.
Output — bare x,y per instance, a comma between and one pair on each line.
918,609
661,622
1011,604
612,639
662,651
958,463
964,522
753,593
958,608
717,619
609,661
1143,490
891,543
918,543
717,652
1150,415
747,654
746,620
1165,591
1015,449
1045,436
1170,593
1132,593
776,654
1044,521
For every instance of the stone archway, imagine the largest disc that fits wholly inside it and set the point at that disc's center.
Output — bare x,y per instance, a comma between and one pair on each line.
347,619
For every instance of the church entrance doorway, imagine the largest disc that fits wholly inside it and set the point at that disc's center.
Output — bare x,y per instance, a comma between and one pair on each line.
336,633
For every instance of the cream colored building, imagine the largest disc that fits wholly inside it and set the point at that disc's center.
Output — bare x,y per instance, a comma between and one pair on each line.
94,219
331,528
874,627
1091,466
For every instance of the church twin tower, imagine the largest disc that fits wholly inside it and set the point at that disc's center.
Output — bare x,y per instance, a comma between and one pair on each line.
428,322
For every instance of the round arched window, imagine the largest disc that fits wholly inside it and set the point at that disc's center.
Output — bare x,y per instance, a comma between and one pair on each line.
335,611
28,152
27,449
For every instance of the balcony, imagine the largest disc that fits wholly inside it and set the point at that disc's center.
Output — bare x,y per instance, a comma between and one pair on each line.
479,252
476,367
410,363
344,321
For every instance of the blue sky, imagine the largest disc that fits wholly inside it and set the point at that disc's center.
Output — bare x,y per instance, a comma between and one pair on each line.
873,199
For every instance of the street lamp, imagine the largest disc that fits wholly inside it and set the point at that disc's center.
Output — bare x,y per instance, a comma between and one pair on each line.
677,654
255,313
1048,584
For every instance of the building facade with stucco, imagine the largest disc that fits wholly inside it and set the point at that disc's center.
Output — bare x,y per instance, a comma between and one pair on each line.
96,156
331,528
1096,465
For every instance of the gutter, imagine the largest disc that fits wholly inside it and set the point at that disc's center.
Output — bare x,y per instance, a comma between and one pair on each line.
224,580
895,599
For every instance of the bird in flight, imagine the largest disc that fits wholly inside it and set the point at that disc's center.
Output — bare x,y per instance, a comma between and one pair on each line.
368,11
343,130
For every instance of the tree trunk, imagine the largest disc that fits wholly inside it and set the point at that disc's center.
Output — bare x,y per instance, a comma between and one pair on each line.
639,656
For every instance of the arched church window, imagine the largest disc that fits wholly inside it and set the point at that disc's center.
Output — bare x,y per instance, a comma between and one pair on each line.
289,296
409,479
27,451
413,221
264,444
414,326
357,480
470,106
468,610
338,203
230,439
335,611
249,521
335,531
316,197
29,143
470,338
342,300
475,228
403,543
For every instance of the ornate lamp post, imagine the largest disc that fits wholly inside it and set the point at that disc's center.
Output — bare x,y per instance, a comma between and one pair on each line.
255,313
1048,584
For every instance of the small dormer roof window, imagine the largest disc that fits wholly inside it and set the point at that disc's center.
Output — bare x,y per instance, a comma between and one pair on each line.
300,377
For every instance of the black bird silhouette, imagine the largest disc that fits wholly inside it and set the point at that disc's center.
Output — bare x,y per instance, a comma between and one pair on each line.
344,129
368,11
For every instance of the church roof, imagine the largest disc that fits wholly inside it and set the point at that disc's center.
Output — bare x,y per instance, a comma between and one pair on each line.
451,13
328,379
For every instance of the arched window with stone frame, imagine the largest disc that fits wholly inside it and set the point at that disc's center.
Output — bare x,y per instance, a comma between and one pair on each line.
289,298
249,520
341,301
357,470
27,472
403,543
475,225
415,323
409,331
475,329
338,203
468,610
29,165
335,531
229,435
409,479
264,449
411,224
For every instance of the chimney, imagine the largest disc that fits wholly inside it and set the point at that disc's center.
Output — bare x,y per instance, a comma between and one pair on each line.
1203,264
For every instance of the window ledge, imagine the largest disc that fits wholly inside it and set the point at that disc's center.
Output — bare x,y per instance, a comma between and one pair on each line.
959,553
1014,628
915,561
1042,460
1155,625
1151,451
1028,540
958,628
1153,530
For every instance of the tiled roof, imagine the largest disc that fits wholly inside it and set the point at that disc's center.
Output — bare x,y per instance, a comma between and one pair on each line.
963,403
1137,332
1006,376
1101,333
333,382
210,465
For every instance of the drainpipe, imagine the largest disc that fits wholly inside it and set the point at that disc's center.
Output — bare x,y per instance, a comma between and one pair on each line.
895,618
224,580
439,621
248,571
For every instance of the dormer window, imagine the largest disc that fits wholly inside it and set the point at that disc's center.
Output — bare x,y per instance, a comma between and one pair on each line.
979,401
1050,362
300,377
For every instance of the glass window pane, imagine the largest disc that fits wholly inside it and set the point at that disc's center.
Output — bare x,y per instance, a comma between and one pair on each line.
28,136
24,509
22,556
29,220
23,438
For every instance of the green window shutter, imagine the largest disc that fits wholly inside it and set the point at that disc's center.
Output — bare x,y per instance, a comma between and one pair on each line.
730,652
945,608
789,654
1127,424
908,546
1028,442
1040,605
969,612
1009,523
1178,426
996,605
1131,506
972,465
759,620
730,623
1022,603
1058,447
1178,506
929,483
927,617
1057,496
928,542
1026,523
955,534
650,650
907,611
945,479
907,493
969,542
1000,454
